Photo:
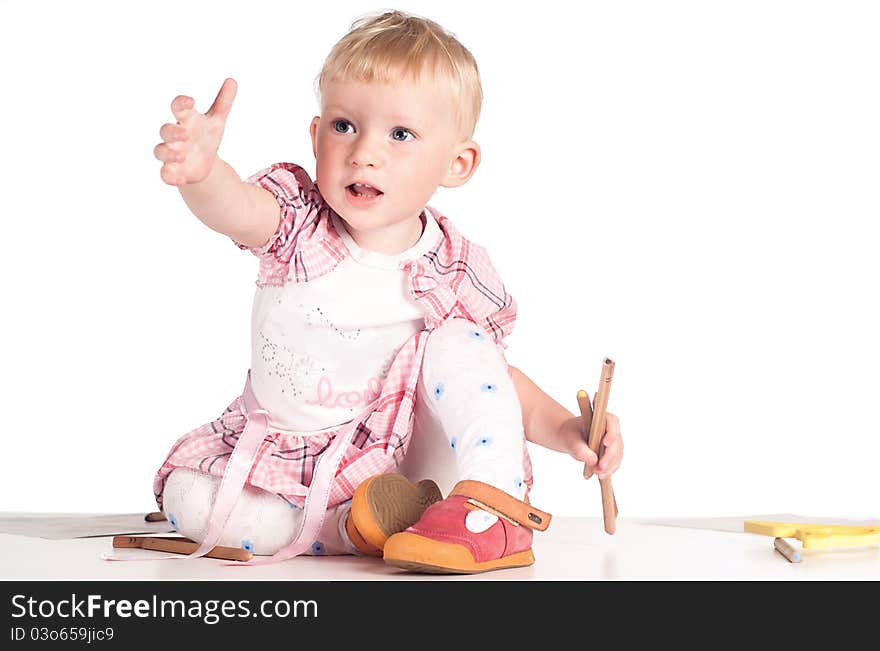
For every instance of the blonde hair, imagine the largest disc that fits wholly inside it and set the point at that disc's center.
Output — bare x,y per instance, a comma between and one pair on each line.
384,47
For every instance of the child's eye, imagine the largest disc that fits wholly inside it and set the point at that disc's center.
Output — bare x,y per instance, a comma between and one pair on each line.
343,126
402,135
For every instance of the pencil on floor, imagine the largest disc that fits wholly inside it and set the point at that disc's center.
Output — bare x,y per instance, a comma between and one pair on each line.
177,545
784,547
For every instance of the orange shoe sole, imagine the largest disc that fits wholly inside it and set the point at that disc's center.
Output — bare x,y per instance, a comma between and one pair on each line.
387,504
417,553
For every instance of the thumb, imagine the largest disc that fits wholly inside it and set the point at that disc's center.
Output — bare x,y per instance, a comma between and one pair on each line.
223,102
585,454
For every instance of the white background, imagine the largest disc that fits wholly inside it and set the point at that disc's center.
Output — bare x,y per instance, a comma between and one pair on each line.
689,188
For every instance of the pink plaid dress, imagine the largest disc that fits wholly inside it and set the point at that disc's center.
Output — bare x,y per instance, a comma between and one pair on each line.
454,279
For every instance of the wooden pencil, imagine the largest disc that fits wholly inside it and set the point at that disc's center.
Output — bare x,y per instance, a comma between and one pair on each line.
785,548
600,406
179,545
587,417
594,419
609,505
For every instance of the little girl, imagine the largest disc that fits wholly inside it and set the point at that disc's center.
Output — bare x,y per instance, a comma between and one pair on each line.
368,304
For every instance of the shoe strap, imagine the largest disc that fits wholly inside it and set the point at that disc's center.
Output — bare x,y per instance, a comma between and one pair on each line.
503,503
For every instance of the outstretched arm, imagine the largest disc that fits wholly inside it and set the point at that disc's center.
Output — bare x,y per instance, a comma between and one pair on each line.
550,425
209,186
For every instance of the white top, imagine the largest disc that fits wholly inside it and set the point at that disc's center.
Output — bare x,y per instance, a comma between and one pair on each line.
321,349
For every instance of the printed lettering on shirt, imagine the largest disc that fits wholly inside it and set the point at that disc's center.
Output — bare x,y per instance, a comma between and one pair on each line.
294,370
327,397
315,317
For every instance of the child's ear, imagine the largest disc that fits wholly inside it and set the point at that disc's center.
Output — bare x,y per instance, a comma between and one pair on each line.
313,130
463,166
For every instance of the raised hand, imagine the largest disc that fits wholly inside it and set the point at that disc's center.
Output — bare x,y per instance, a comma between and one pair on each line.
188,149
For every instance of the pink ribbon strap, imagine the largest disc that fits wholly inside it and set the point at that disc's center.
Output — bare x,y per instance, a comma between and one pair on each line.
315,507
237,470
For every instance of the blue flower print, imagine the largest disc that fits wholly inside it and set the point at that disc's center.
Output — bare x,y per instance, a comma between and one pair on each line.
452,442
489,387
484,441
518,483
317,548
476,334
248,546
172,521
438,390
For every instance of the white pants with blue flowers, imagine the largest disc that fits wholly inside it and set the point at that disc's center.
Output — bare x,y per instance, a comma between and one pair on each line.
465,395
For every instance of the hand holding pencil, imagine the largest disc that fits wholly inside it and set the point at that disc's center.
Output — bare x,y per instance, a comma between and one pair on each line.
594,419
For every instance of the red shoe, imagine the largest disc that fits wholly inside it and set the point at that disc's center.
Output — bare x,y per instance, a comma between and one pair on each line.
383,505
441,543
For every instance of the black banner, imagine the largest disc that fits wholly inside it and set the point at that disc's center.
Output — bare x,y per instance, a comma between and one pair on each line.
104,614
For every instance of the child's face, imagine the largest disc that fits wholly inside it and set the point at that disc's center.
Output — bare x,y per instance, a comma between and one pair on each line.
383,150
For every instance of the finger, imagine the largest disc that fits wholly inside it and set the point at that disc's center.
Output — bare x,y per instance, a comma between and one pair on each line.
168,155
183,107
610,457
607,472
588,457
611,469
612,447
607,462
612,437
223,102
172,132
171,174
610,461
612,431
612,424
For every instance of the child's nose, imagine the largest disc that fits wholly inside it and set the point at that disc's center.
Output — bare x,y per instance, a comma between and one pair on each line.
365,154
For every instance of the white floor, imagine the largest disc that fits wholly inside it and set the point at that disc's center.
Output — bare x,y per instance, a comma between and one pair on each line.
572,549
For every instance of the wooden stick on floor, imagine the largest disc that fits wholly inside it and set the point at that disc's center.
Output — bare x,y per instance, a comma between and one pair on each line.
786,549
178,545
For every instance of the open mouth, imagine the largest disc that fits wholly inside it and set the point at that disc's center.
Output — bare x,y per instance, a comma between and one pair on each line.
363,191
